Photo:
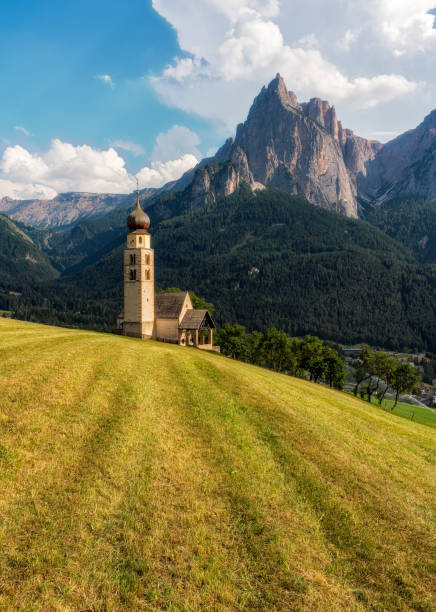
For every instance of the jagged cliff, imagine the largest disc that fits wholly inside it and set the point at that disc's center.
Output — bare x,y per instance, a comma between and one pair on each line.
299,148
302,148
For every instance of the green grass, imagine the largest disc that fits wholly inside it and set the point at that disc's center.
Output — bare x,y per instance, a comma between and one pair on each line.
425,416
408,411
143,476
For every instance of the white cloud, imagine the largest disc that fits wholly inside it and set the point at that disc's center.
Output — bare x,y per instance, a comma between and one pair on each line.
105,78
160,173
20,128
128,145
23,191
65,167
406,25
244,49
176,142
383,135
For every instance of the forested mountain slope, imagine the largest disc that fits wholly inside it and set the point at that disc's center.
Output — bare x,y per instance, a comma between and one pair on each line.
22,262
268,258
411,221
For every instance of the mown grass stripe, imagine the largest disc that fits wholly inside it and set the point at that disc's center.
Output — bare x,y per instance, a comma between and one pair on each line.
142,476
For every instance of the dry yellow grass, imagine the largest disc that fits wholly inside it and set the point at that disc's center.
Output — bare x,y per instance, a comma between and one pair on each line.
143,476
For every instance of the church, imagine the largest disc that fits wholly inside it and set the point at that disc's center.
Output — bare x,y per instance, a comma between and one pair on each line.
168,317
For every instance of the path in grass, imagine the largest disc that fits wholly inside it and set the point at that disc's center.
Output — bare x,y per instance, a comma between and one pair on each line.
144,476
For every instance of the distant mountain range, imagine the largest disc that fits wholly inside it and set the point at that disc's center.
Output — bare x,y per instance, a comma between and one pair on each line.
65,209
298,148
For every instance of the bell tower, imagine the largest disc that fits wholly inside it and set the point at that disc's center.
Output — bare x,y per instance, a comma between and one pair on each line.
137,320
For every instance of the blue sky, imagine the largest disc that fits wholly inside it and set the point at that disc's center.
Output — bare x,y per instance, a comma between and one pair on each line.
51,53
93,92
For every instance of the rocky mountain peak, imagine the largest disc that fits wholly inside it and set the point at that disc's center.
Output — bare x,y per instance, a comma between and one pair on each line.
297,148
294,147
274,95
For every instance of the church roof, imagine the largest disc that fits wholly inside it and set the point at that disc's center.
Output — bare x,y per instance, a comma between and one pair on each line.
169,305
196,319
138,219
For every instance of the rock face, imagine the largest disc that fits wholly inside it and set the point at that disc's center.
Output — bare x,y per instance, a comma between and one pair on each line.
298,148
405,165
304,150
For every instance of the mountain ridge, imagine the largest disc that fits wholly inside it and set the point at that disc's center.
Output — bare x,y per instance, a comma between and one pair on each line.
299,148
303,149
65,209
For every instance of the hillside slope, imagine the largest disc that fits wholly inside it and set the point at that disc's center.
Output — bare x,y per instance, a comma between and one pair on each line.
410,221
139,475
22,262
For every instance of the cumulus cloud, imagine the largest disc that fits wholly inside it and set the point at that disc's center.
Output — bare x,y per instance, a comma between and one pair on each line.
25,191
105,78
176,142
227,64
406,26
160,173
65,167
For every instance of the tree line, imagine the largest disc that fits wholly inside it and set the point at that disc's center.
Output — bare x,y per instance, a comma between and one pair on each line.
375,373
280,352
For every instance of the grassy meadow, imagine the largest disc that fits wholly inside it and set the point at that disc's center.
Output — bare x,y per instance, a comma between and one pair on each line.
419,414
143,476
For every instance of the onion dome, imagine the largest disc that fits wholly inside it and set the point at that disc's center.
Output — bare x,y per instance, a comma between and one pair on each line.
138,219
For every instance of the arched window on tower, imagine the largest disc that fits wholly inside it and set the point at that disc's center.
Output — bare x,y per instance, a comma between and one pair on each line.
132,260
147,259
147,275
140,239
132,274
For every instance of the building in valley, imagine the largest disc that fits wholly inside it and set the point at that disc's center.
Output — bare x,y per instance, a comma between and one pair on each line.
168,317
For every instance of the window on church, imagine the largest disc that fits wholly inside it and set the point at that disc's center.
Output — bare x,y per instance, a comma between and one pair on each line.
140,239
132,260
147,259
132,274
147,275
